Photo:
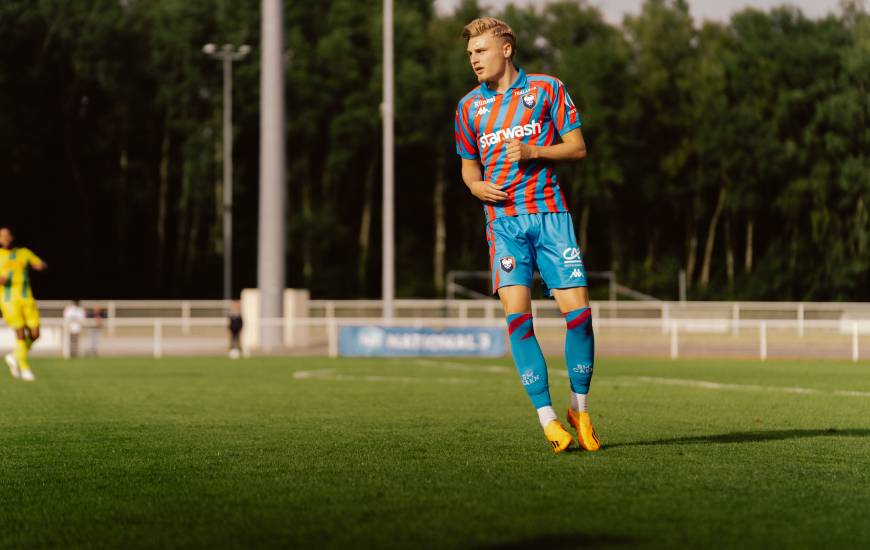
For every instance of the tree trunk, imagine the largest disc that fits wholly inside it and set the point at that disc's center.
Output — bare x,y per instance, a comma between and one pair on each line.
365,228
183,222
584,226
729,252
691,251
162,194
307,266
123,169
438,260
711,239
615,246
750,233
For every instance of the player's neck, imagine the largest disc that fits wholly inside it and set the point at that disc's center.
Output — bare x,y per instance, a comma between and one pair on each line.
507,78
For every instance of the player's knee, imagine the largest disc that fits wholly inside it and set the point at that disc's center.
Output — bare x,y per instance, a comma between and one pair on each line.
515,299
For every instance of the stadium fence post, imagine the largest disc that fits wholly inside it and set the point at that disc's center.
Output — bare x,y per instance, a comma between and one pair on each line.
332,337
762,329
666,314
185,317
675,340
158,338
855,350
735,319
800,320
110,313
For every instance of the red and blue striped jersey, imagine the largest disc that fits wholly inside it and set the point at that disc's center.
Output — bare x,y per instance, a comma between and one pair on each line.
533,109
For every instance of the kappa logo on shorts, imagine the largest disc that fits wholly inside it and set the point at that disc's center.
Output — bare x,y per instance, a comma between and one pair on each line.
577,274
507,263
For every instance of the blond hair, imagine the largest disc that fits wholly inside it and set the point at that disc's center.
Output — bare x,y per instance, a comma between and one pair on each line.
497,27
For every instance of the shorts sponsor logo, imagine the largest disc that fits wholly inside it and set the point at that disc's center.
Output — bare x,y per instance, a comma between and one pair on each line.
516,132
529,378
577,274
507,263
572,256
583,368
529,100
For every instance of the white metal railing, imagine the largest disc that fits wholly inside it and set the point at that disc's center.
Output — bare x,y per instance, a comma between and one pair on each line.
161,336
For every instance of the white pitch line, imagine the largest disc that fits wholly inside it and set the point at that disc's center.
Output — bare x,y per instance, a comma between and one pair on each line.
329,374
462,366
742,387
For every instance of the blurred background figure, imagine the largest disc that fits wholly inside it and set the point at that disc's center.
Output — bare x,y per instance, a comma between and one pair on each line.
73,317
94,329
235,328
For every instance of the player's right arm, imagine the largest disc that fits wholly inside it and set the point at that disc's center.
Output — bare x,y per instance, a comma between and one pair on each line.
486,191
472,171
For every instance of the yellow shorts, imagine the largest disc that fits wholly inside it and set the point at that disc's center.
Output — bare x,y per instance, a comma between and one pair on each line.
20,313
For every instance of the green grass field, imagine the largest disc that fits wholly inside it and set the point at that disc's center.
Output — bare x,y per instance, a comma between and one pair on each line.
430,453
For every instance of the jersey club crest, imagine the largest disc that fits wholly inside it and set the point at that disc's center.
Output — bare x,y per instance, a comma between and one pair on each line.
529,100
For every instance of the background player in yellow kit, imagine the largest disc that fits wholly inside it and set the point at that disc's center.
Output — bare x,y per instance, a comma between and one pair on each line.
17,302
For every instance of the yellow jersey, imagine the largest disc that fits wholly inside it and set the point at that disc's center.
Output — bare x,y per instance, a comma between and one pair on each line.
15,264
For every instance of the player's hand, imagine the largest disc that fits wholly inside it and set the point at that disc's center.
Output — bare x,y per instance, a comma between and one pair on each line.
518,151
487,192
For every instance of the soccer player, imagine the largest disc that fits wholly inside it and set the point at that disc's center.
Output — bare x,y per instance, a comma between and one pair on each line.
506,135
17,302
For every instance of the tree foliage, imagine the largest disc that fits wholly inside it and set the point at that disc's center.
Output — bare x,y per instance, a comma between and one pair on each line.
735,151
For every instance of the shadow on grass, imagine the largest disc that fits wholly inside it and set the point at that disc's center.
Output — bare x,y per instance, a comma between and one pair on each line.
568,541
746,437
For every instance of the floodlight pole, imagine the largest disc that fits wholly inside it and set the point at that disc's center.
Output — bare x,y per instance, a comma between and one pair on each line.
272,221
388,236
227,54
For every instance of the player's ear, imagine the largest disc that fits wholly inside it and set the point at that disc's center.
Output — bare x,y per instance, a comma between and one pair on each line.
507,50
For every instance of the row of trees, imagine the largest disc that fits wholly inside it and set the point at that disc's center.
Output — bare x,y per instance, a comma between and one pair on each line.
735,151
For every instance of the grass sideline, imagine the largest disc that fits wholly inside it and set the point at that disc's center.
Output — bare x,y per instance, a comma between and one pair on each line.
316,452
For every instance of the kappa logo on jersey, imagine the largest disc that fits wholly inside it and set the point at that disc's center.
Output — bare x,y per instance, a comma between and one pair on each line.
529,100
518,131
507,263
481,111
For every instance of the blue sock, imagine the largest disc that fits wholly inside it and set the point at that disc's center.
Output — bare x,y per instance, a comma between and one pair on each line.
580,349
529,359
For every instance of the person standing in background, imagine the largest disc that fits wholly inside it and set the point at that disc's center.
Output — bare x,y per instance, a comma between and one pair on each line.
97,314
73,316
235,329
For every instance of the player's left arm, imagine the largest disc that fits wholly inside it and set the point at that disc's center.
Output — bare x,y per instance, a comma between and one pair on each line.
566,119
573,147
36,262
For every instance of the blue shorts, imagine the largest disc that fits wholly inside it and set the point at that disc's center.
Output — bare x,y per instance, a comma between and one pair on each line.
520,244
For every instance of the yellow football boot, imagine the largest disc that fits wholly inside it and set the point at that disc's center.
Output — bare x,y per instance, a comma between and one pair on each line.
586,435
558,436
